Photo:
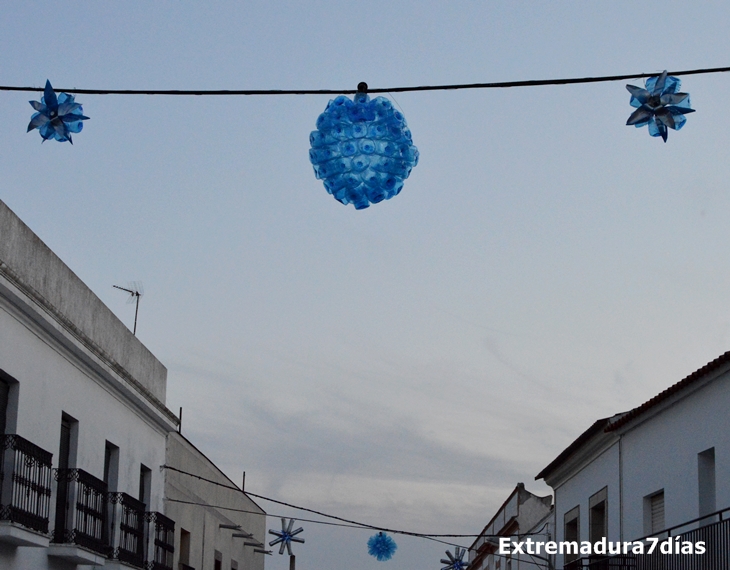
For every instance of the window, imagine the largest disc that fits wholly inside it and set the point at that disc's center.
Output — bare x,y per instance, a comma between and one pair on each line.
66,460
8,403
67,444
184,547
654,512
4,397
572,531
111,466
145,485
234,565
598,516
218,565
706,482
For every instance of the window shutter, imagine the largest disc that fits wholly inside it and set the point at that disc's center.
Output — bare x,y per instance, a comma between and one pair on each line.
657,512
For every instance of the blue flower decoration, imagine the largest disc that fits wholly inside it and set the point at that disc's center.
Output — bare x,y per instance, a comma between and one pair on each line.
455,562
362,150
57,117
660,105
382,546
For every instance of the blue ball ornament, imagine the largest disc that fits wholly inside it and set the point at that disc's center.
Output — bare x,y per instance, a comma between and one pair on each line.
362,150
381,546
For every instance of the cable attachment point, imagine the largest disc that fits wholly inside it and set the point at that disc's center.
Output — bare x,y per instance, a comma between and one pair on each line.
362,87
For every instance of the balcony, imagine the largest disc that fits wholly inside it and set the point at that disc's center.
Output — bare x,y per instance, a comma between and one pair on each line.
80,535
715,535
127,529
619,562
25,491
161,541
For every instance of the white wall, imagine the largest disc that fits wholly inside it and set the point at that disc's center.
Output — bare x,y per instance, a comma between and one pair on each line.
661,453
58,367
203,522
24,256
576,490
657,451
527,510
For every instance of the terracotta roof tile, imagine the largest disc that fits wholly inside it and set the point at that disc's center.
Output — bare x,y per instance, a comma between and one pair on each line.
681,385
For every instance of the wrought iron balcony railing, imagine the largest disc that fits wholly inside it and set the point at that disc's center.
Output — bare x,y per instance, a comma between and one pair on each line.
127,529
618,562
714,535
25,483
161,539
81,511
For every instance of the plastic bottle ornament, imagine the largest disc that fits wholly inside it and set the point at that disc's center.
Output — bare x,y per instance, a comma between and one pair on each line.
381,546
286,536
455,562
362,149
57,117
659,106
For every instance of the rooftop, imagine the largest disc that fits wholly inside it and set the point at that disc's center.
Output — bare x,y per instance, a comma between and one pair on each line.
607,425
31,267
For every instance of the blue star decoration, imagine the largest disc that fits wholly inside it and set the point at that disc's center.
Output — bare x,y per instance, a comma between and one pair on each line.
381,546
660,105
455,562
57,117
362,149
286,536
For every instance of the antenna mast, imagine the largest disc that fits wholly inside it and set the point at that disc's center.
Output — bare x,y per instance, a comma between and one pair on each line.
135,292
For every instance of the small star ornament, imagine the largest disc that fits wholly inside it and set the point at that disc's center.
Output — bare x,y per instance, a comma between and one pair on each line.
455,562
57,117
286,536
381,546
659,106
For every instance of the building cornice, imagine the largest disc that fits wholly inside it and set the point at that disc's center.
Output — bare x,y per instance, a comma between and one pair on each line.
43,314
590,445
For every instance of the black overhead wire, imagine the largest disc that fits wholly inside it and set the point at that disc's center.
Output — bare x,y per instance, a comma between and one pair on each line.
496,85
326,523
344,520
348,522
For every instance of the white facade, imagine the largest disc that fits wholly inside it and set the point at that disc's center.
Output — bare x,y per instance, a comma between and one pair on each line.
676,433
65,357
662,465
210,537
521,515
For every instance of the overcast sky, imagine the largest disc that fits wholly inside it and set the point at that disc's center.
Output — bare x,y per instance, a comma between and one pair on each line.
405,365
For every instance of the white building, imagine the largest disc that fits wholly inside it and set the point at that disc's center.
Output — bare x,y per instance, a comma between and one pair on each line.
82,402
522,515
86,435
209,536
662,469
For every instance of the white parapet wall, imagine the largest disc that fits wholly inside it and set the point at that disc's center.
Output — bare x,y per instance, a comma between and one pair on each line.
45,278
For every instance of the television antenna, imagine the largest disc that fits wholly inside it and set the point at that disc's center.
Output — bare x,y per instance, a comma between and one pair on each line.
135,291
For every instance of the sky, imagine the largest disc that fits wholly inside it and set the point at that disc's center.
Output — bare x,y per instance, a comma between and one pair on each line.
405,365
